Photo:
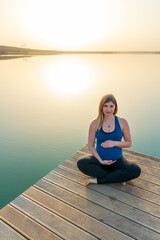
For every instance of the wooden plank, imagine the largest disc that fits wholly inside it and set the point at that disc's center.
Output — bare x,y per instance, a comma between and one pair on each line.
7,232
143,176
151,187
142,183
143,160
64,191
131,214
25,225
129,151
76,217
151,171
142,155
153,195
123,197
118,207
84,149
50,220
139,192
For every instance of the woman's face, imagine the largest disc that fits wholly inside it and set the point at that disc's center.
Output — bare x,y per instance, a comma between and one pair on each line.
108,108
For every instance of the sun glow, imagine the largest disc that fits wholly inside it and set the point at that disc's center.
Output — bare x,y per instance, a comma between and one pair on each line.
68,77
69,25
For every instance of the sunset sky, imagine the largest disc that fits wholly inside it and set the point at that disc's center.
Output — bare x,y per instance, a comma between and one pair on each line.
81,24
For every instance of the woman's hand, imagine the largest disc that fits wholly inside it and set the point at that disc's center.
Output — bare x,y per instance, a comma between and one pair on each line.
108,144
108,162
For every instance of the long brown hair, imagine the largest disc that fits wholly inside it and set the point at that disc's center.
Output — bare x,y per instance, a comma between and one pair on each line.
105,99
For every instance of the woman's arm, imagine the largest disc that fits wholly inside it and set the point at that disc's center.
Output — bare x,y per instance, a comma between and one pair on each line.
91,141
126,136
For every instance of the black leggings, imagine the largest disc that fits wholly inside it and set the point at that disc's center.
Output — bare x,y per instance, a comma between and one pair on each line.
120,171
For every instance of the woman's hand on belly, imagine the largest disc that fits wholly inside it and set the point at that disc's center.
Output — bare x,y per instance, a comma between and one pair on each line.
108,144
108,162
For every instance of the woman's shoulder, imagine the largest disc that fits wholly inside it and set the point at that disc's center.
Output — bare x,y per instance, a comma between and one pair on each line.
92,125
93,122
122,121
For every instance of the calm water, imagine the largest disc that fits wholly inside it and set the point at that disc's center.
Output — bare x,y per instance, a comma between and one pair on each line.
47,103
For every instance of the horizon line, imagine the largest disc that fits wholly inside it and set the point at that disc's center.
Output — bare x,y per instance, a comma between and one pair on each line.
7,49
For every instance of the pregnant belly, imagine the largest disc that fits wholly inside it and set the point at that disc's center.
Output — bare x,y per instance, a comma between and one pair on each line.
109,153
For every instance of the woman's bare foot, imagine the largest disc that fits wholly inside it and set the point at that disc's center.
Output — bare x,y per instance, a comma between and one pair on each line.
124,183
90,180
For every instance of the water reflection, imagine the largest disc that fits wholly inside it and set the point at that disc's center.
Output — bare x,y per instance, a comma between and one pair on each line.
68,76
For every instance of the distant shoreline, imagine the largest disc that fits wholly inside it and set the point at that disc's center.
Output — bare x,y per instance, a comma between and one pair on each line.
14,51
7,57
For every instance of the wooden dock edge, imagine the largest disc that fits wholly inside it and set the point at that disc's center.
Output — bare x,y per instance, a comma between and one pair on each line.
58,206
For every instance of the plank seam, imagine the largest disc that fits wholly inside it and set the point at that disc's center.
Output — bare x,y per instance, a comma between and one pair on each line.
114,187
134,185
139,163
73,163
16,228
70,170
60,166
111,226
102,206
146,189
143,164
61,216
109,196
25,213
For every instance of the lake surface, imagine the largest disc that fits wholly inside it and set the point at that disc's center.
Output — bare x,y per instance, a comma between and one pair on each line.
47,103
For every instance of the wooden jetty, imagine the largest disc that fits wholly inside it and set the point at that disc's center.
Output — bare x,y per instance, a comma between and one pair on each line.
60,207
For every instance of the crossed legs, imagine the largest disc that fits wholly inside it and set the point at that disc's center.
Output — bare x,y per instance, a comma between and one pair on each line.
120,171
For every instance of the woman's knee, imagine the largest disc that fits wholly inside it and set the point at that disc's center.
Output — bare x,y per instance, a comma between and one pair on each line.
135,170
80,163
86,161
138,171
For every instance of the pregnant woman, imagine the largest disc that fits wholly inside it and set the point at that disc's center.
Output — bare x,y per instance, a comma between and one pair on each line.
106,163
